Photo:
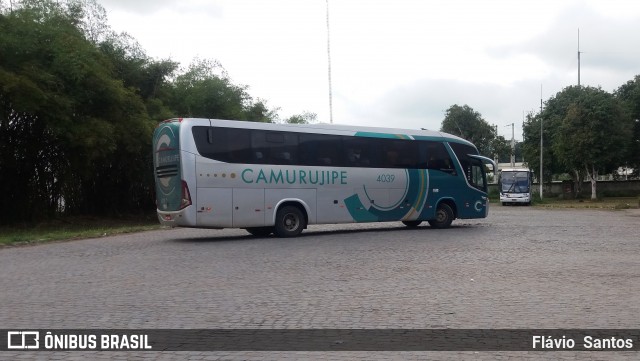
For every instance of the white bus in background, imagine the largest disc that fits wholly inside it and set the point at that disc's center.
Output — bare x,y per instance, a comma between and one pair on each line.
515,186
277,178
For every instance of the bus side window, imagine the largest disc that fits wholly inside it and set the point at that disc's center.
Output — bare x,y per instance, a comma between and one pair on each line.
391,158
408,154
320,150
229,145
437,157
390,153
358,151
270,147
258,157
330,151
238,145
399,153
306,149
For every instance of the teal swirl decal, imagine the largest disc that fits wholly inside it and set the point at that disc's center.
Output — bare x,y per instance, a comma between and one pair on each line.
406,206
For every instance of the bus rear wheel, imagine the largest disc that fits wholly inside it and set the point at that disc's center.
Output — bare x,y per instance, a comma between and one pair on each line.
289,221
444,216
260,231
411,224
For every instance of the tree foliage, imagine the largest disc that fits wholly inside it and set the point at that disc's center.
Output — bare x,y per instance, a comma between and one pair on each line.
501,149
587,131
468,124
548,121
629,95
78,105
303,118
593,135
72,127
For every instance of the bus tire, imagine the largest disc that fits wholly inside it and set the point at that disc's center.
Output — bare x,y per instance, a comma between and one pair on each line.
289,221
411,224
260,231
444,216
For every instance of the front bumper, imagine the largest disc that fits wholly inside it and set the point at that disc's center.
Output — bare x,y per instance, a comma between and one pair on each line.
515,198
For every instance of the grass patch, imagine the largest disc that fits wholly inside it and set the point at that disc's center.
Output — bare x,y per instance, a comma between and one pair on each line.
75,228
600,203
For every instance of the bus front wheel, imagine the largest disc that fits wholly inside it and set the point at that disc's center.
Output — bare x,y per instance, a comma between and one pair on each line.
289,221
444,216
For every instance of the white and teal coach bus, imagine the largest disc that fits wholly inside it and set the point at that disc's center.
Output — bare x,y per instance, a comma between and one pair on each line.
276,178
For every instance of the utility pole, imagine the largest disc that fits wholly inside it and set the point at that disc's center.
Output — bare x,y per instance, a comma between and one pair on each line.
496,158
329,70
578,56
541,143
523,139
513,145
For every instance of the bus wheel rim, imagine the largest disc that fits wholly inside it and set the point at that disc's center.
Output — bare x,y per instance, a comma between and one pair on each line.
290,222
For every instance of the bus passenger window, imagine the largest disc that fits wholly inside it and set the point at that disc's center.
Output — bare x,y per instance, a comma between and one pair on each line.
276,147
438,157
283,158
321,150
392,158
258,157
358,151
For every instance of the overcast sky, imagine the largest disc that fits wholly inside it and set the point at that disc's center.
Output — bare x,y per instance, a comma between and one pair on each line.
398,63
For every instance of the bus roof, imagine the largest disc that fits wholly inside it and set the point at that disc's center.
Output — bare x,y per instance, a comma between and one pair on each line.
333,129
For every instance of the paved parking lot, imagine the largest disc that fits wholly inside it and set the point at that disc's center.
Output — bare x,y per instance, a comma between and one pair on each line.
521,267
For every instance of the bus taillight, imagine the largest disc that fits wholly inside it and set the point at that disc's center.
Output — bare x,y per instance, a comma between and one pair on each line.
185,198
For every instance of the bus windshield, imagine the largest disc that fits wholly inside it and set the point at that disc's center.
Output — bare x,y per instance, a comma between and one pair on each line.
515,182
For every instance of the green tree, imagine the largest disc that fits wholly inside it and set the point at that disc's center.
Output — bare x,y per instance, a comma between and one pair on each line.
549,120
593,134
501,148
74,138
629,94
467,123
150,79
258,112
78,105
303,118
90,17
205,90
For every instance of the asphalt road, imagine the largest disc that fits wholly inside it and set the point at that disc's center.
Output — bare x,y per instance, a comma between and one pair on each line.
521,267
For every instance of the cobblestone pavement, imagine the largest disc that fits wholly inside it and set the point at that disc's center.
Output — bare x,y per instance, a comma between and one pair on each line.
521,267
